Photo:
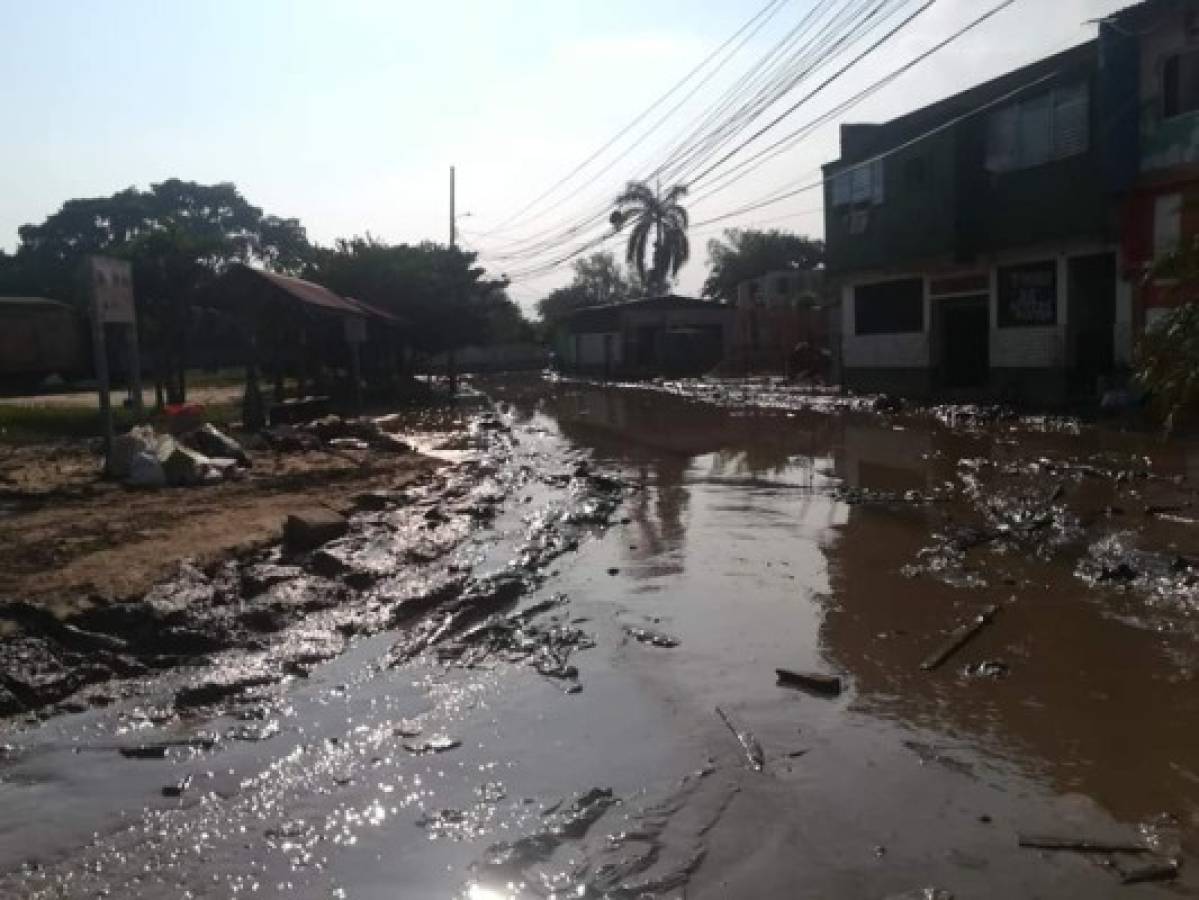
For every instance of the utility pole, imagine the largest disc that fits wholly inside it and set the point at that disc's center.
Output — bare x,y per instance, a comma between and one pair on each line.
453,218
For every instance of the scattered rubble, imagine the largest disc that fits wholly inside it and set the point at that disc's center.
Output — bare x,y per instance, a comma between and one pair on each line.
651,637
812,682
307,530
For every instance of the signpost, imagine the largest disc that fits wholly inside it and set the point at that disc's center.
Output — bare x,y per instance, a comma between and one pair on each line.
355,331
110,288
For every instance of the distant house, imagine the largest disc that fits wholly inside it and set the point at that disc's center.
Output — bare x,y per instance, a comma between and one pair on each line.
785,319
976,240
669,335
39,338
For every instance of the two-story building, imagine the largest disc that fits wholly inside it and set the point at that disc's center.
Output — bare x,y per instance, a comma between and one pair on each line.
1156,46
977,240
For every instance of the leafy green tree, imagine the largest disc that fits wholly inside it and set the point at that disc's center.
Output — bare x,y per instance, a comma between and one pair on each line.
662,217
178,235
1167,355
445,299
743,254
598,281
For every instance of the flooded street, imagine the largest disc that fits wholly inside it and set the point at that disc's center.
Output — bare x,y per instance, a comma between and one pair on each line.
581,699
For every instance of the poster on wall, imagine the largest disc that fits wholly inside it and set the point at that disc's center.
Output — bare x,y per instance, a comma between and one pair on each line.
1028,295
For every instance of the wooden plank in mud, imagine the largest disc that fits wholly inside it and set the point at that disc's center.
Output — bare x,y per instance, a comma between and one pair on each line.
961,636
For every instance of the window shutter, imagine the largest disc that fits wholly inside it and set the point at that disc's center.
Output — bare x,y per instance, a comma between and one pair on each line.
841,188
1071,121
1035,135
1001,139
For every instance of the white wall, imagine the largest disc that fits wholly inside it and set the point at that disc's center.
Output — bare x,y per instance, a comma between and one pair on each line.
1029,347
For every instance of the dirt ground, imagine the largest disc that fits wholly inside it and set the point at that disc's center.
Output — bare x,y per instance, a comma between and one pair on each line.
68,537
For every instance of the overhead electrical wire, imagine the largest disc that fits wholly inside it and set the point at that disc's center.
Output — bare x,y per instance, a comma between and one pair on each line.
777,84
771,4
555,234
789,140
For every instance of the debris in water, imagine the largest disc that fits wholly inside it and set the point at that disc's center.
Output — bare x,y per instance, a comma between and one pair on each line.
813,682
178,788
959,638
988,668
439,743
149,751
753,750
1155,871
1080,844
649,636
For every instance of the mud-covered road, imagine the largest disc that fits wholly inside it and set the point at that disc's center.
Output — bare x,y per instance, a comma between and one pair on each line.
551,672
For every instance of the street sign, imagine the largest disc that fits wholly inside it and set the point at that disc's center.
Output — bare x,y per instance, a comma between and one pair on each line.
112,290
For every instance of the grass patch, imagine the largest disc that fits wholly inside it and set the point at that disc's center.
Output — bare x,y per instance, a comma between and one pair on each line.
39,424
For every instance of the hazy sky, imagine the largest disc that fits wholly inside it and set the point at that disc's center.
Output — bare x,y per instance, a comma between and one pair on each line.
348,114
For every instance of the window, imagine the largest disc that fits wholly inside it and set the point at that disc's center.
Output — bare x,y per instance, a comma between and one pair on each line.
1028,294
861,184
890,307
1167,224
1180,84
1053,125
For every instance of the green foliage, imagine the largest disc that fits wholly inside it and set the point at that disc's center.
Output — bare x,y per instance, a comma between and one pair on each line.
178,236
445,299
1168,364
741,255
598,281
662,217
1167,355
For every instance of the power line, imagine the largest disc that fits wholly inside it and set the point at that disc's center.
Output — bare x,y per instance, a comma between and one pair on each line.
633,124
820,87
777,82
788,141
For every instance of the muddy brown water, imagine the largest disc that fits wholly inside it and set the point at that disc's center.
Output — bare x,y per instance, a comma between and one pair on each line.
756,539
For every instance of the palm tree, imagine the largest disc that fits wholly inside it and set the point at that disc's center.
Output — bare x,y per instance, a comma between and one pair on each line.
660,213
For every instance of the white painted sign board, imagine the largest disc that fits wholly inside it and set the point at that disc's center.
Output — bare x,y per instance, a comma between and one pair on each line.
112,290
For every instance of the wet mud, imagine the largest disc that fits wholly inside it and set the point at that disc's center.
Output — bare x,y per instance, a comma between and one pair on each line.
651,642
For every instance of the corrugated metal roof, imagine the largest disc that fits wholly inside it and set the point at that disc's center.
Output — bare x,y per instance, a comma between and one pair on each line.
312,294
371,310
308,292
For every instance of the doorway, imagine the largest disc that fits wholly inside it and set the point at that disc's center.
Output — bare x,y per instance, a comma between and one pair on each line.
1091,284
965,341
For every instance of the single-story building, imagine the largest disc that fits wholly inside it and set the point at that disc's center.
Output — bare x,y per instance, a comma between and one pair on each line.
669,335
786,321
41,337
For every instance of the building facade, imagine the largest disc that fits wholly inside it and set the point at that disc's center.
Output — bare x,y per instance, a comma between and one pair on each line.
786,321
976,241
669,335
1156,46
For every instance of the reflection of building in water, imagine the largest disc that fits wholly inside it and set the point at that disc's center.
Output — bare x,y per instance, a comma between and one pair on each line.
883,458
665,445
